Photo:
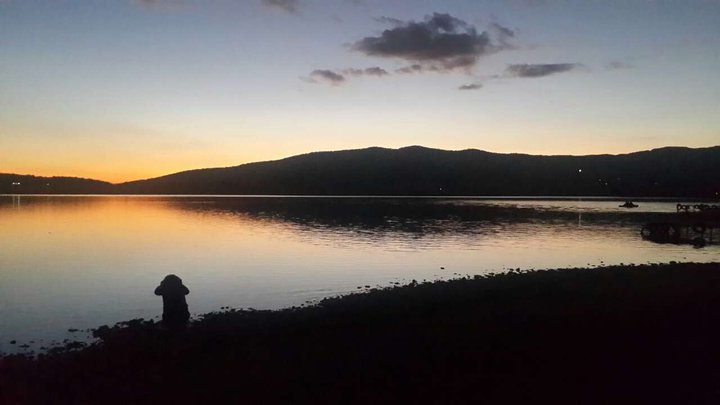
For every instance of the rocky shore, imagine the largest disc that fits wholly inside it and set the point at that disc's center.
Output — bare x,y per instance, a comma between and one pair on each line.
619,334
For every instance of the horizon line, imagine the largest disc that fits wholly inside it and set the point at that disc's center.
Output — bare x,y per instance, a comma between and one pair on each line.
357,149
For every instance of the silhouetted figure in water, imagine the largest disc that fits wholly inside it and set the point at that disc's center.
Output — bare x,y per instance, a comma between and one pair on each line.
175,308
628,204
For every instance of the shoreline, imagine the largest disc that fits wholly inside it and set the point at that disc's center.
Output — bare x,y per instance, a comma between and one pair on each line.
600,198
613,331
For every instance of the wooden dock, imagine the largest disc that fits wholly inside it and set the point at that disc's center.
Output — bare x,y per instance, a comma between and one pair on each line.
696,225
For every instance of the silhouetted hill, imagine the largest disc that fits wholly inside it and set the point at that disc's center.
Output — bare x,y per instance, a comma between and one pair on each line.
26,184
417,170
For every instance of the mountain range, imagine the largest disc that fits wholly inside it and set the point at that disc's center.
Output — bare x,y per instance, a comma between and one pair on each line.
416,170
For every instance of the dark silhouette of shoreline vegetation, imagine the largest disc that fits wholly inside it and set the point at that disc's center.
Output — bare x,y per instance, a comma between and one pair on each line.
415,170
28,184
618,334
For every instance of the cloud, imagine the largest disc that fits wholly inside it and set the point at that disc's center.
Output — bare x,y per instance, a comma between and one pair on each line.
335,77
471,86
326,76
539,69
440,43
290,6
503,35
371,71
375,71
394,22
414,68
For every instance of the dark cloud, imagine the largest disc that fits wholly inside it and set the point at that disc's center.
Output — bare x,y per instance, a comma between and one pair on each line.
433,67
376,71
414,68
441,42
335,77
503,35
326,76
371,71
540,69
290,6
472,86
503,32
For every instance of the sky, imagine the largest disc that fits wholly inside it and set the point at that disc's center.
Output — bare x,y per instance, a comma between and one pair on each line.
129,89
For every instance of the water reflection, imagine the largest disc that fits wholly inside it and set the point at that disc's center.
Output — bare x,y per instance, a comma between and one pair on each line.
78,262
422,223
411,223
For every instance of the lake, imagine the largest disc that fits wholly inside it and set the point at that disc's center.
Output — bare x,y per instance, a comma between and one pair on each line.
83,261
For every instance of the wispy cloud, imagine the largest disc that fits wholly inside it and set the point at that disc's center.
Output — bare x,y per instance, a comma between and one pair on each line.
337,77
539,69
371,71
503,35
326,76
393,22
414,68
289,6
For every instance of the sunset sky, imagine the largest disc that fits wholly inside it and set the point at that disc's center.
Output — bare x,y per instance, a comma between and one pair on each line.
122,90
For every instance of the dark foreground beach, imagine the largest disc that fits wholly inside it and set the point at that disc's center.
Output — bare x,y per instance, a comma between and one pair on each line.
621,334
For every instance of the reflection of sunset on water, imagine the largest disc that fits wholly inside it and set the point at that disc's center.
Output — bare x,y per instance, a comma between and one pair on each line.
84,261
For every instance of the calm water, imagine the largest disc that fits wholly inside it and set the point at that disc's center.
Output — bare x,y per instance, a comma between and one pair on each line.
80,262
